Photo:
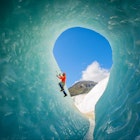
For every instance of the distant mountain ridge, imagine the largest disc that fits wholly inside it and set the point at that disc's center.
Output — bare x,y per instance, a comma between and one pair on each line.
81,87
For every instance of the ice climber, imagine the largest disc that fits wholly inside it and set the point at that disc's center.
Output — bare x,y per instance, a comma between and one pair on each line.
62,77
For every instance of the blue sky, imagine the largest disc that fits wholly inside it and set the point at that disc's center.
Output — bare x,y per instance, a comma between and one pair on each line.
83,54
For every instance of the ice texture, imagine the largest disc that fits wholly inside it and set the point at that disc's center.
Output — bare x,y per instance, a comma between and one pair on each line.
31,106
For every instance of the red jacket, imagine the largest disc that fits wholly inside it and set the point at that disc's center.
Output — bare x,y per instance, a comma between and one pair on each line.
63,78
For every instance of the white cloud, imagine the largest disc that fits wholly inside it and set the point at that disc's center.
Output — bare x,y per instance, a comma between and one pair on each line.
94,72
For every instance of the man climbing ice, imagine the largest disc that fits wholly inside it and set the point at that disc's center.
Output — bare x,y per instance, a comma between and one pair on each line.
62,77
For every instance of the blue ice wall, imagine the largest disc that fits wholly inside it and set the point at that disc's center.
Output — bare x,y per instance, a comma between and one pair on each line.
31,106
117,112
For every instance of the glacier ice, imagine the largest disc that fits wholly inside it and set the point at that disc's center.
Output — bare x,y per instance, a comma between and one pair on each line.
31,106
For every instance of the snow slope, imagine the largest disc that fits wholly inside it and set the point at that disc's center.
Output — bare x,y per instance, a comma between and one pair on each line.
86,102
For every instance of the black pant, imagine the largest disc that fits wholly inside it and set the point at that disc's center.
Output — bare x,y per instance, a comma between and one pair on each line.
61,86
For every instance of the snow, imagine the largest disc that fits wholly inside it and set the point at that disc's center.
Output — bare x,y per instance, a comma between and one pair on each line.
86,102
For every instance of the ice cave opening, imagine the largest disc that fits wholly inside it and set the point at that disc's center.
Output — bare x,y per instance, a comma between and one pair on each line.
76,49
